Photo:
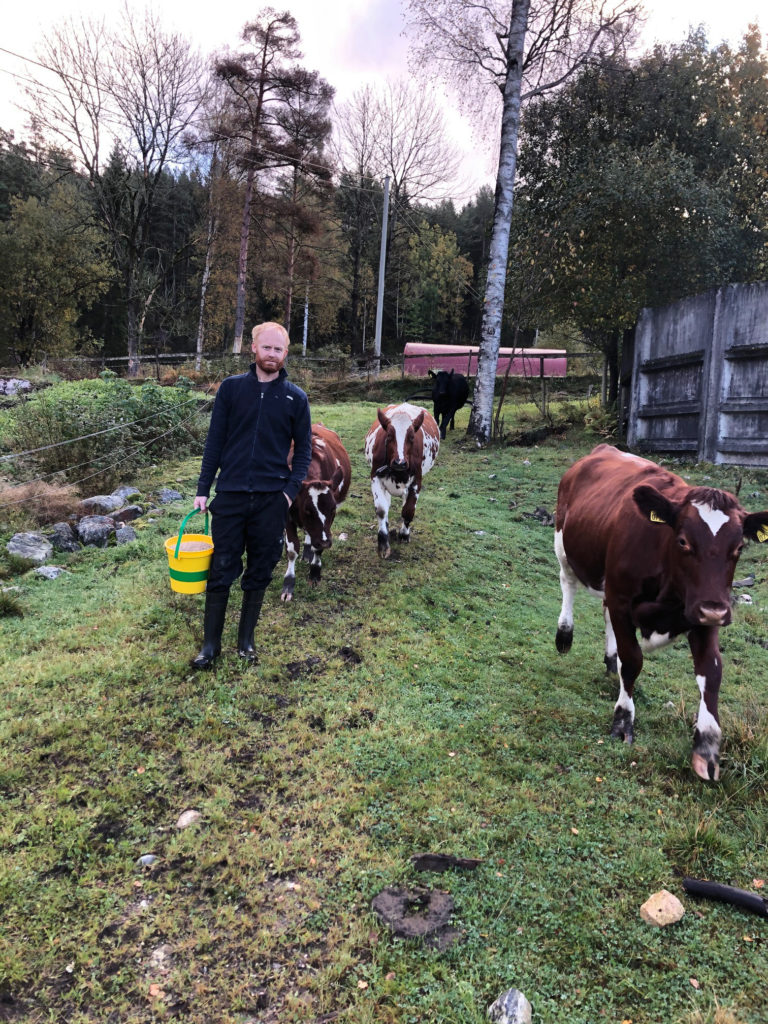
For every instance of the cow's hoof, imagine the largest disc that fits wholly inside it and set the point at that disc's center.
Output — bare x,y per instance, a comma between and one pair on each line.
306,553
563,639
706,769
404,537
623,726
286,596
611,664
314,573
385,552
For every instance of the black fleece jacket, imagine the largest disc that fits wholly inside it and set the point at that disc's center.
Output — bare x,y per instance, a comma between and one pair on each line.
249,439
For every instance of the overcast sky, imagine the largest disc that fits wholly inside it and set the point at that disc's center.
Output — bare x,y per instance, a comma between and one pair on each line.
350,42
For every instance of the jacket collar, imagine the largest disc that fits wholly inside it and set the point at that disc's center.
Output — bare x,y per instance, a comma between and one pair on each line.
281,375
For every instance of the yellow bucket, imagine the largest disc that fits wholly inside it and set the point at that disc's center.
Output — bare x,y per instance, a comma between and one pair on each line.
189,558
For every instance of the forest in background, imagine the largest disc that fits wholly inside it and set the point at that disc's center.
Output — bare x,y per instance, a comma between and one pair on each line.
163,202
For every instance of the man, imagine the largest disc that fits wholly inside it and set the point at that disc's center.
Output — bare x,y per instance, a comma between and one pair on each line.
256,417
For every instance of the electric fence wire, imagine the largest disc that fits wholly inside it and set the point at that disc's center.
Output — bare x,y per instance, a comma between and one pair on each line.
99,458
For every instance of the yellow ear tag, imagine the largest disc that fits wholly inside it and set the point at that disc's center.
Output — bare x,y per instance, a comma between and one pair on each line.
655,517
762,534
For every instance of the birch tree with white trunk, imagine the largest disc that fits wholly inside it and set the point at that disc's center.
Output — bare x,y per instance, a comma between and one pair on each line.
519,50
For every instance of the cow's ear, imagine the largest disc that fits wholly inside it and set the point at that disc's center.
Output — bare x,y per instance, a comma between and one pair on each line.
383,420
451,373
756,526
418,421
431,373
654,506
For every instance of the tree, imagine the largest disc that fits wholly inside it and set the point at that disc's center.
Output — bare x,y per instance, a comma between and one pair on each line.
468,42
435,286
54,263
637,189
306,126
141,88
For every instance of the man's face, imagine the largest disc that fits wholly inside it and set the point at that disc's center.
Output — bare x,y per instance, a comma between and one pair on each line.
270,350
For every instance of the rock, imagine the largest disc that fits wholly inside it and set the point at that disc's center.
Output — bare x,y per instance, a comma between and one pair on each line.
511,1008
167,495
63,538
50,572
662,909
188,818
95,531
125,492
33,546
127,514
146,860
101,504
12,386
125,534
161,959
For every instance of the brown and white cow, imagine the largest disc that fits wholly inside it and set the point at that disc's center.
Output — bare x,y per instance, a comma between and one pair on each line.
661,554
323,490
401,447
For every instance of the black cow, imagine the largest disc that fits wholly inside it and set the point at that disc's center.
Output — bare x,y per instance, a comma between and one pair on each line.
449,392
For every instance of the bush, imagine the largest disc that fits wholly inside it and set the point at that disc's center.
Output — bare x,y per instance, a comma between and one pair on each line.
96,433
35,504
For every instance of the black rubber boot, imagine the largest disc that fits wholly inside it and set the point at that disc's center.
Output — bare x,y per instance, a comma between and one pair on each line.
213,625
249,616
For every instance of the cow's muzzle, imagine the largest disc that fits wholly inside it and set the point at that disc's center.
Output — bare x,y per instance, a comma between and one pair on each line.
712,613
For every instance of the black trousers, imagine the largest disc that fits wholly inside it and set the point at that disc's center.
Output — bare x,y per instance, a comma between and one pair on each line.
250,522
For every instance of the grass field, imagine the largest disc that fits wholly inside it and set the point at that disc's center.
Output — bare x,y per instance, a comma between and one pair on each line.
400,707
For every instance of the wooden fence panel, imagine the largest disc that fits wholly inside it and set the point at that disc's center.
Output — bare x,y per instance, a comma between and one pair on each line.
700,377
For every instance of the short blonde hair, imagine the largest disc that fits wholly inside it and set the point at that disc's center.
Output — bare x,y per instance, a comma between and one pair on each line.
259,329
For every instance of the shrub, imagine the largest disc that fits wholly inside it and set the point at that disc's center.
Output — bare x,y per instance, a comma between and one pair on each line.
35,504
97,432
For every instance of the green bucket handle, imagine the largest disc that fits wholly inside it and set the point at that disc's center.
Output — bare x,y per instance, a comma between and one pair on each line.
184,523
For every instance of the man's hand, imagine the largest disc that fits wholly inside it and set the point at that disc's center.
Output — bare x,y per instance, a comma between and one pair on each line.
200,502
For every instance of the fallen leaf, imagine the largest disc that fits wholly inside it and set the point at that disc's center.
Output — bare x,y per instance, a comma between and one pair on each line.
694,982
155,992
758,882
575,831
747,938
362,984
451,753
390,975
140,770
598,779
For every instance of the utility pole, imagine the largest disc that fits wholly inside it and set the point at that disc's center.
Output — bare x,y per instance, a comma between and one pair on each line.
382,265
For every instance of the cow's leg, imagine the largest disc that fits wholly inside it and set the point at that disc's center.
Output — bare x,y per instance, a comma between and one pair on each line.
629,659
306,553
381,501
409,509
569,585
315,565
610,659
292,549
707,661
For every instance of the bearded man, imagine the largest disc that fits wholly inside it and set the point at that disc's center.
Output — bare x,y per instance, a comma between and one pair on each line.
256,418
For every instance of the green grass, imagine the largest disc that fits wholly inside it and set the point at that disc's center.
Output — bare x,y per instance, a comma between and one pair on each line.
400,707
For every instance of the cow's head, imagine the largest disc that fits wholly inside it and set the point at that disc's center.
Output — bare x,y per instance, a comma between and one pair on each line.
441,383
316,508
708,529
399,435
